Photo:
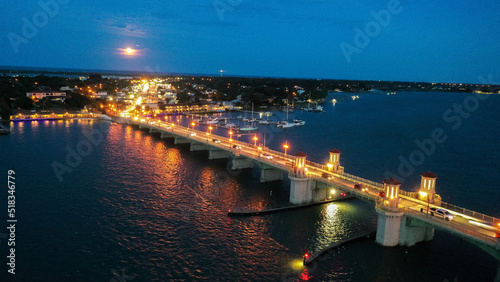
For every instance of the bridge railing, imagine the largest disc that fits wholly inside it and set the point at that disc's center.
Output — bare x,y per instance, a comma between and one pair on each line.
360,180
412,195
452,226
470,213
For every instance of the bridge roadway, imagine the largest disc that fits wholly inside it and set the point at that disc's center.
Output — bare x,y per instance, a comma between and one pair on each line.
460,226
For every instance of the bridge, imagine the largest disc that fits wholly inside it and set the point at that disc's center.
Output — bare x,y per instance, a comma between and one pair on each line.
403,217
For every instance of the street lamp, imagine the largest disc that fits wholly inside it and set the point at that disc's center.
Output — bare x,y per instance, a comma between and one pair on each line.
210,130
230,136
255,140
193,124
285,146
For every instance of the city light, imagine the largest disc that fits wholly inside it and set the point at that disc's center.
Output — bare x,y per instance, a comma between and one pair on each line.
255,140
285,146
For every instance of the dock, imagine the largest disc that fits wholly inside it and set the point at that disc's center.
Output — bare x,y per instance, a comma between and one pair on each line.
248,212
309,258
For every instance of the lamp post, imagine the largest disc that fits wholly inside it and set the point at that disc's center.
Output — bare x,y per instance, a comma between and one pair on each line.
285,146
255,140
230,135
193,124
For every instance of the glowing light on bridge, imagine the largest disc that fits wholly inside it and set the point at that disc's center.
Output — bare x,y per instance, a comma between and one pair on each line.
255,140
286,146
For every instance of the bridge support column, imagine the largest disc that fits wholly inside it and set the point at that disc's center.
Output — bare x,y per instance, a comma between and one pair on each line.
166,135
241,162
270,174
181,140
197,147
215,154
300,190
409,235
388,226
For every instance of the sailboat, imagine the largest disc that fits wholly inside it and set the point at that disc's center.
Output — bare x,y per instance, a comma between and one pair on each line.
251,126
316,108
285,123
266,121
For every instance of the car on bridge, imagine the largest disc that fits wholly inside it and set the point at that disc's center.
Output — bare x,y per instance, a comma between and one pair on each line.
192,134
360,187
441,213
487,225
216,140
326,175
236,147
267,156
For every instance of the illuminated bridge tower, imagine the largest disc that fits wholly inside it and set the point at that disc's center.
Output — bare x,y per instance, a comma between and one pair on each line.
300,185
393,227
427,189
389,217
334,162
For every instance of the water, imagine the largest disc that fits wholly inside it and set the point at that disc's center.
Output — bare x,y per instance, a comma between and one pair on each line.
139,208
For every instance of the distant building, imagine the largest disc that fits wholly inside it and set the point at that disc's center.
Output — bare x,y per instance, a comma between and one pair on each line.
54,95
100,95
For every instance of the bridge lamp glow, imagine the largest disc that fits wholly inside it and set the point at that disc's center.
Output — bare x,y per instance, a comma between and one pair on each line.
332,191
255,140
422,193
259,148
329,165
286,146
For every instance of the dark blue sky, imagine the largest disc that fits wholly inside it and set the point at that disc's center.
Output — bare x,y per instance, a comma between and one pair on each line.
434,41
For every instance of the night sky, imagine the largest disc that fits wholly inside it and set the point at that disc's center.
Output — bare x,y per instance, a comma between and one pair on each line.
433,41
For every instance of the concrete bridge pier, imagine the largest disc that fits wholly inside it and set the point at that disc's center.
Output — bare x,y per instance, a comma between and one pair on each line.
411,232
300,185
241,162
215,154
301,191
195,146
270,174
388,225
180,140
322,191
166,135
